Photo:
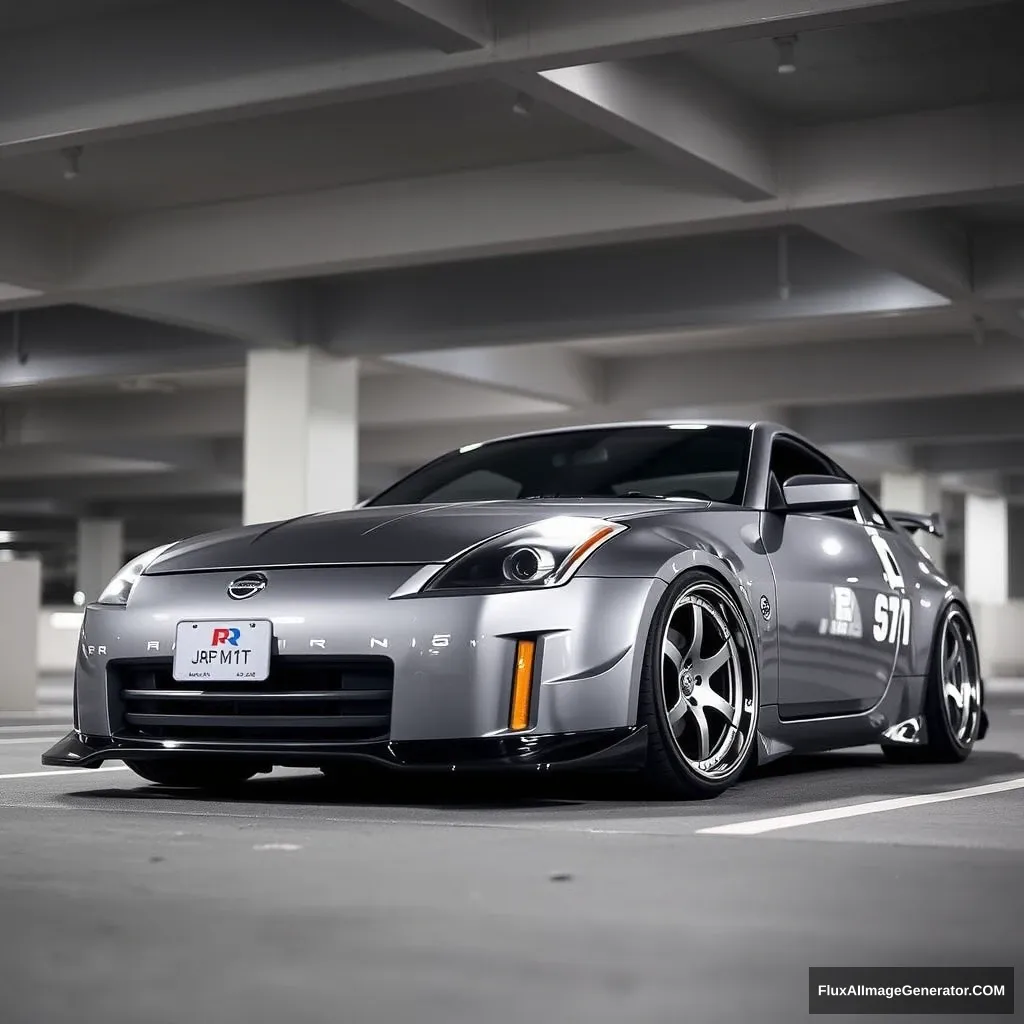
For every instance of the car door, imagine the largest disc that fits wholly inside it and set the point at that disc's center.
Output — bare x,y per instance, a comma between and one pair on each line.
842,614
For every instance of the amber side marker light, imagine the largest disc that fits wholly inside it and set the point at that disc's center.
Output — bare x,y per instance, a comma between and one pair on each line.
522,685
592,541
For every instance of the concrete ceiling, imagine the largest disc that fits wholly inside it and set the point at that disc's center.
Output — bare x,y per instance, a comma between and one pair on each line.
666,226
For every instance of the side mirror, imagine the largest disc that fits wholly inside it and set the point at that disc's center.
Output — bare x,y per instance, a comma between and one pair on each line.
913,522
820,494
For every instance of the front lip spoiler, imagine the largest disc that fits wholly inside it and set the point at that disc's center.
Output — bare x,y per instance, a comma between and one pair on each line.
606,749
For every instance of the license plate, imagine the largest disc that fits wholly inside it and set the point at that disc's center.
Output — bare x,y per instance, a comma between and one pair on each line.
221,651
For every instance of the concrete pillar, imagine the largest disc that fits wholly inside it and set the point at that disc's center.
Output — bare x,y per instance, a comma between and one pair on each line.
100,554
20,593
1016,552
986,550
301,434
920,493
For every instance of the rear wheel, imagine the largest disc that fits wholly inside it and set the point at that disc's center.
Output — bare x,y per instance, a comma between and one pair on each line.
699,690
953,696
194,774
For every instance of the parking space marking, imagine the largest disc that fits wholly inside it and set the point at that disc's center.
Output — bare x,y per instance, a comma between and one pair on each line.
760,825
33,728
66,771
7,740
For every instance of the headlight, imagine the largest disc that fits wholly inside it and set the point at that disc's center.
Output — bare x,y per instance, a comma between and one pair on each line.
540,555
120,587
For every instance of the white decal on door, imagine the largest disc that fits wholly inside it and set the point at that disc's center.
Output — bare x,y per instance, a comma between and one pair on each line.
845,619
892,619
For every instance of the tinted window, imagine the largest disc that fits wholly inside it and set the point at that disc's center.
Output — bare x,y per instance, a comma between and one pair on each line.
709,463
870,511
790,459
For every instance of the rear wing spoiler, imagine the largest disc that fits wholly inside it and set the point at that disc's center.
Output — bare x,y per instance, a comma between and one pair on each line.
914,522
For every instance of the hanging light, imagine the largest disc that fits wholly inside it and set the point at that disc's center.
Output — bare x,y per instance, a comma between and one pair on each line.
786,46
523,106
72,159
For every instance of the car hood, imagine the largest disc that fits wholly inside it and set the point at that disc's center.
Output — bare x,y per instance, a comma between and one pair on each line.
407,534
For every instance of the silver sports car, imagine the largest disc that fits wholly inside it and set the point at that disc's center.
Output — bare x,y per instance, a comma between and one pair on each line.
678,599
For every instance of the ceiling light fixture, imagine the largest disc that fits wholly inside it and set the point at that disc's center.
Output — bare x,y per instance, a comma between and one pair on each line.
978,330
72,158
786,46
148,385
523,106
784,289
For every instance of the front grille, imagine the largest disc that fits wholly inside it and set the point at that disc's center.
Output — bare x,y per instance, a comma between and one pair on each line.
304,699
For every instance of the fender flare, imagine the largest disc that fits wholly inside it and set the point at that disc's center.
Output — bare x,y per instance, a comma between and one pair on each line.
685,561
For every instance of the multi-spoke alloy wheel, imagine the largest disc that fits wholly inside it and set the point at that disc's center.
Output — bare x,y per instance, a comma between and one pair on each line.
953,704
702,674
959,678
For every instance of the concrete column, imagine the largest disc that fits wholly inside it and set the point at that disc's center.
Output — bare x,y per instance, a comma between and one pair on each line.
100,554
1016,552
301,434
20,593
915,492
986,550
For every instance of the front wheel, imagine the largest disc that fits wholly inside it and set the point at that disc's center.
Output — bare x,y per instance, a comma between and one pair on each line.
953,695
699,690
200,773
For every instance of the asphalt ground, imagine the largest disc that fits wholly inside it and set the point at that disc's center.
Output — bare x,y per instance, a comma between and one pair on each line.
443,901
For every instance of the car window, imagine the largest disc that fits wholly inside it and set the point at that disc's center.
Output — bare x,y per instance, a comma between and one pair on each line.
707,462
871,512
481,485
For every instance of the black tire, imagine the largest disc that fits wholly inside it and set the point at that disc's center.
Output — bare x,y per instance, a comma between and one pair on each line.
947,742
669,771
198,773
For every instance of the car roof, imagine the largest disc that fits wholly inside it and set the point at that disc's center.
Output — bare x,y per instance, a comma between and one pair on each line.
753,425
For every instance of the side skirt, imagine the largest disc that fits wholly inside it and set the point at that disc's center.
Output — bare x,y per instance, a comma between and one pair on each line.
896,719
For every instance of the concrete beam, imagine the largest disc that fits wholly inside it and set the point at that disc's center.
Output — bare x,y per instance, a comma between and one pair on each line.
35,242
65,343
28,463
278,314
545,373
410,400
925,247
990,456
204,412
874,369
452,26
669,109
610,291
405,449
924,420
999,263
173,65
579,31
937,158
127,488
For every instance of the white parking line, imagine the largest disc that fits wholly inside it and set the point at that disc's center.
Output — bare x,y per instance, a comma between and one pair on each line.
759,825
36,728
67,771
28,739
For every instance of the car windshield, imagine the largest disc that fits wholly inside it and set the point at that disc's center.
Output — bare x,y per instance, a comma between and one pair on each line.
677,461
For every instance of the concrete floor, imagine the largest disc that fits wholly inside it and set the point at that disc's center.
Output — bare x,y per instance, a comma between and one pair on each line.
457,903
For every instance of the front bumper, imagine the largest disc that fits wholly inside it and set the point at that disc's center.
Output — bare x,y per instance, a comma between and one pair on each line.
605,749
448,661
